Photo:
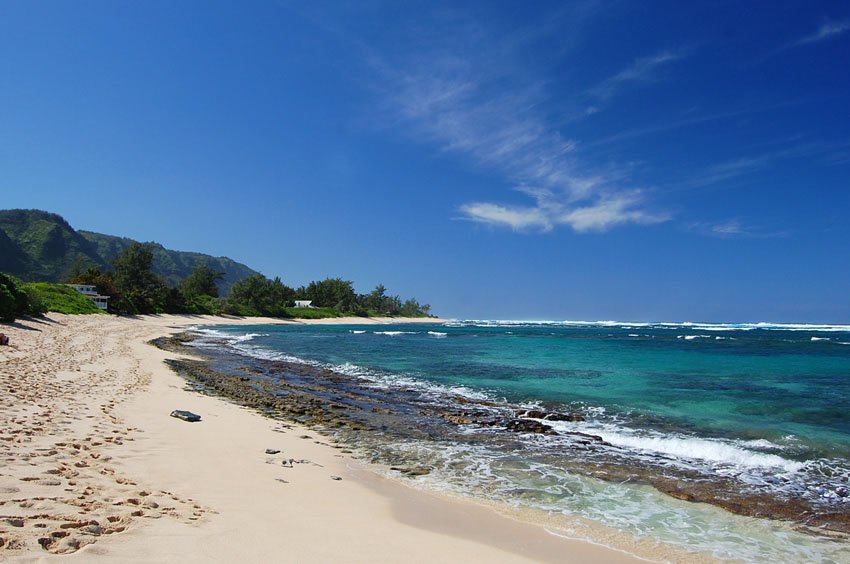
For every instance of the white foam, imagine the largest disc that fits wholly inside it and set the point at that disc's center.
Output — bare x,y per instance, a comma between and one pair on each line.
372,378
357,332
702,326
684,447
230,337
438,334
394,333
820,339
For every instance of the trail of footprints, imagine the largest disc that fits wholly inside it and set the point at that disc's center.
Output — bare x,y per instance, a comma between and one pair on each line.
60,435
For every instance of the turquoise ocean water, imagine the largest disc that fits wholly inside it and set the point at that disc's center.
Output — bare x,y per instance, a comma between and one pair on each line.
765,407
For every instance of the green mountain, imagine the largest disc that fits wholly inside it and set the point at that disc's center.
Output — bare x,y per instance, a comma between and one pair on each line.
40,246
171,265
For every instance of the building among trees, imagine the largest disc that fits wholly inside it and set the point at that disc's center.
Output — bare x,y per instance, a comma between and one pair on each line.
91,293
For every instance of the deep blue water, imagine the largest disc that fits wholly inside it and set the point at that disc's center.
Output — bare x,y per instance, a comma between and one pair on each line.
749,401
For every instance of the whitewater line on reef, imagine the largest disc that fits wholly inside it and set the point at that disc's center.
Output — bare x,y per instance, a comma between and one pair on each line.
815,327
687,448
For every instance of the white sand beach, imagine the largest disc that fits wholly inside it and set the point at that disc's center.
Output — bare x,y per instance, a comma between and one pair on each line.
95,470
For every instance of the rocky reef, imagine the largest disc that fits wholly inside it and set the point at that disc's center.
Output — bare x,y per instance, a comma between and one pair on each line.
358,414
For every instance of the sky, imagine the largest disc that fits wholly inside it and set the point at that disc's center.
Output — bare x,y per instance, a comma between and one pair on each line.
676,161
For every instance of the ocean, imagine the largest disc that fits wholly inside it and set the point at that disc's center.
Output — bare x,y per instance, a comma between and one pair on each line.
631,423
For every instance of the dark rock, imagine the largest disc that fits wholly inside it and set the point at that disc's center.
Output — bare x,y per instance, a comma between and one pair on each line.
557,416
412,472
684,496
336,478
458,419
529,426
585,438
272,451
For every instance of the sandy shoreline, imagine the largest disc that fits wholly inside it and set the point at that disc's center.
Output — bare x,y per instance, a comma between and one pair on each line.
93,465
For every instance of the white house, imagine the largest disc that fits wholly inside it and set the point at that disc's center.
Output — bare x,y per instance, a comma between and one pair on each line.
91,293
304,303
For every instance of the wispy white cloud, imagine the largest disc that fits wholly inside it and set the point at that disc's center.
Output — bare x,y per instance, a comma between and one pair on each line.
734,228
731,227
518,218
686,121
641,70
734,168
827,30
494,113
605,212
610,211
754,163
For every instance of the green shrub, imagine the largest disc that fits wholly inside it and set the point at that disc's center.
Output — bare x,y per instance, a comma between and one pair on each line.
14,302
60,298
34,297
7,304
311,312
205,305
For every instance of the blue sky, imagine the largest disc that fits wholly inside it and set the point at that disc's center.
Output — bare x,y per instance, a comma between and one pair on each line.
562,160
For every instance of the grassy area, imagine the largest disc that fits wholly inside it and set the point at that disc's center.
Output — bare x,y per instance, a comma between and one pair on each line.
311,312
59,298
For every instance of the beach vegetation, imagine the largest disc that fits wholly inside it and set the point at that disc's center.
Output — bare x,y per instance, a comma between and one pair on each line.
312,312
13,301
47,296
141,290
203,281
257,295
332,292
206,305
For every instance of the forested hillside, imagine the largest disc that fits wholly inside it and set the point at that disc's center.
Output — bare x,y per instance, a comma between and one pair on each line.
37,245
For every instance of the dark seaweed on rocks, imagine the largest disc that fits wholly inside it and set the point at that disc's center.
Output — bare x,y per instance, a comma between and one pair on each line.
371,419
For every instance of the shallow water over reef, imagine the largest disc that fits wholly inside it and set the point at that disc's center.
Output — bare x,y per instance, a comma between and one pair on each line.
612,422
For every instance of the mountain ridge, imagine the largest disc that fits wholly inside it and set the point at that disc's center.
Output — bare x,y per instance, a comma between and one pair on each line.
37,245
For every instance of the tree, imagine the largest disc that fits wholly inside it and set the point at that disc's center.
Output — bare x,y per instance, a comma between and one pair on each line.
141,290
257,295
412,308
332,292
252,293
103,282
375,299
282,295
391,305
77,268
203,281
